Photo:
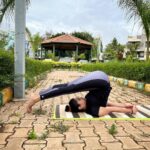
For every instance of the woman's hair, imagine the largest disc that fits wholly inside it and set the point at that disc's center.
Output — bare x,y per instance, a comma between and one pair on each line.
73,106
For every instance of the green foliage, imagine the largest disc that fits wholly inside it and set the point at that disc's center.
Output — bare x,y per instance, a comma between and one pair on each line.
84,35
139,71
113,129
39,111
59,127
32,135
132,47
7,8
6,69
82,56
139,11
114,50
3,42
33,69
44,135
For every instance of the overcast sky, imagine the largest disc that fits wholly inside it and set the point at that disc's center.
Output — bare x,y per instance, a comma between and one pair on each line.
100,17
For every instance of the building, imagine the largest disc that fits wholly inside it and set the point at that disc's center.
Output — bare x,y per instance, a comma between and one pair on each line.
141,50
65,45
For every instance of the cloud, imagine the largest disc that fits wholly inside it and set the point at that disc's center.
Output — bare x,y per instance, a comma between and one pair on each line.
101,18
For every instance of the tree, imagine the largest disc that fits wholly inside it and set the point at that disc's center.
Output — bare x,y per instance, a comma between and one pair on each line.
114,50
3,41
132,49
35,40
84,36
139,10
7,8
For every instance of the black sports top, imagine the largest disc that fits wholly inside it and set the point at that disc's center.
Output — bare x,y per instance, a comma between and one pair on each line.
97,98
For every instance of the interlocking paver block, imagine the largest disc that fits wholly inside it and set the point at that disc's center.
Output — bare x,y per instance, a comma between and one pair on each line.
26,123
106,137
72,137
39,128
9,128
41,120
129,143
34,147
74,146
121,132
14,144
87,132
21,132
113,146
84,123
92,143
54,144
30,142
137,123
3,137
145,144
53,134
1,146
29,116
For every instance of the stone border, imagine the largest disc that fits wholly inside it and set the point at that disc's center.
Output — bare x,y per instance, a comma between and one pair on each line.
131,83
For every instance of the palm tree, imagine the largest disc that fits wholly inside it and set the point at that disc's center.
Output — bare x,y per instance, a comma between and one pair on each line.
7,8
35,40
139,10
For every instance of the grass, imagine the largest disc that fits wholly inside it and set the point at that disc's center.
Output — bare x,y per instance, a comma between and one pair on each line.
59,127
15,114
32,135
39,111
113,129
43,135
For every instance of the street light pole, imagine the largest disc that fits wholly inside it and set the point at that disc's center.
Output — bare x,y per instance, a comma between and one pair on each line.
19,79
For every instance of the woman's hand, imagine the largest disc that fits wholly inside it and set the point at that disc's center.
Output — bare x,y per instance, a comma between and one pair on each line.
32,102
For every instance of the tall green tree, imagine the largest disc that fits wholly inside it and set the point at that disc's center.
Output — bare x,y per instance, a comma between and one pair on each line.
83,35
35,40
114,50
7,8
139,10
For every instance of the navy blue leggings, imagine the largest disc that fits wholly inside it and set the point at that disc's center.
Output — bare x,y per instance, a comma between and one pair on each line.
68,88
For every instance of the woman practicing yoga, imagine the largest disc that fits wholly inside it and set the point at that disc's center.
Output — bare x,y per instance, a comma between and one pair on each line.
95,101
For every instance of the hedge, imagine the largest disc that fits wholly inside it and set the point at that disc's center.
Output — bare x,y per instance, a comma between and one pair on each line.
33,68
139,71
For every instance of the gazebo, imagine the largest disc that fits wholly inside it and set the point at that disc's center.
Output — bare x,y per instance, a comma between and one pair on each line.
58,45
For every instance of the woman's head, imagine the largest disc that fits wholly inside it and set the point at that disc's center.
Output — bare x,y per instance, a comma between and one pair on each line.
77,104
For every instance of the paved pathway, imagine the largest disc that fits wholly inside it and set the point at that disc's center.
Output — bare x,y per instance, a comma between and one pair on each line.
86,135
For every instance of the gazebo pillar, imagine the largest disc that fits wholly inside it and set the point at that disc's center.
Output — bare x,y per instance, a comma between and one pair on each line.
77,50
54,49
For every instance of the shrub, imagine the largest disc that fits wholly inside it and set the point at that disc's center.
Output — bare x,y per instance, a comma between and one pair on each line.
139,71
33,68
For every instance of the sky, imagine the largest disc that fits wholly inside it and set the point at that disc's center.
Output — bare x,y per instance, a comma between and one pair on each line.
102,18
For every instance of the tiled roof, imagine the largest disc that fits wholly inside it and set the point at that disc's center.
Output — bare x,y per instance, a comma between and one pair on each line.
66,38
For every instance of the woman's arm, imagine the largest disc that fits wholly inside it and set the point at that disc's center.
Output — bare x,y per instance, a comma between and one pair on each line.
32,102
106,110
125,105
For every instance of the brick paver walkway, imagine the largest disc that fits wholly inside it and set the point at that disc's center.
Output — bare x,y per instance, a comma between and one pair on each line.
87,135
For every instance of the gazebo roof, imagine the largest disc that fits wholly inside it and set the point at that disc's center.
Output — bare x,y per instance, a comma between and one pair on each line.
66,38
